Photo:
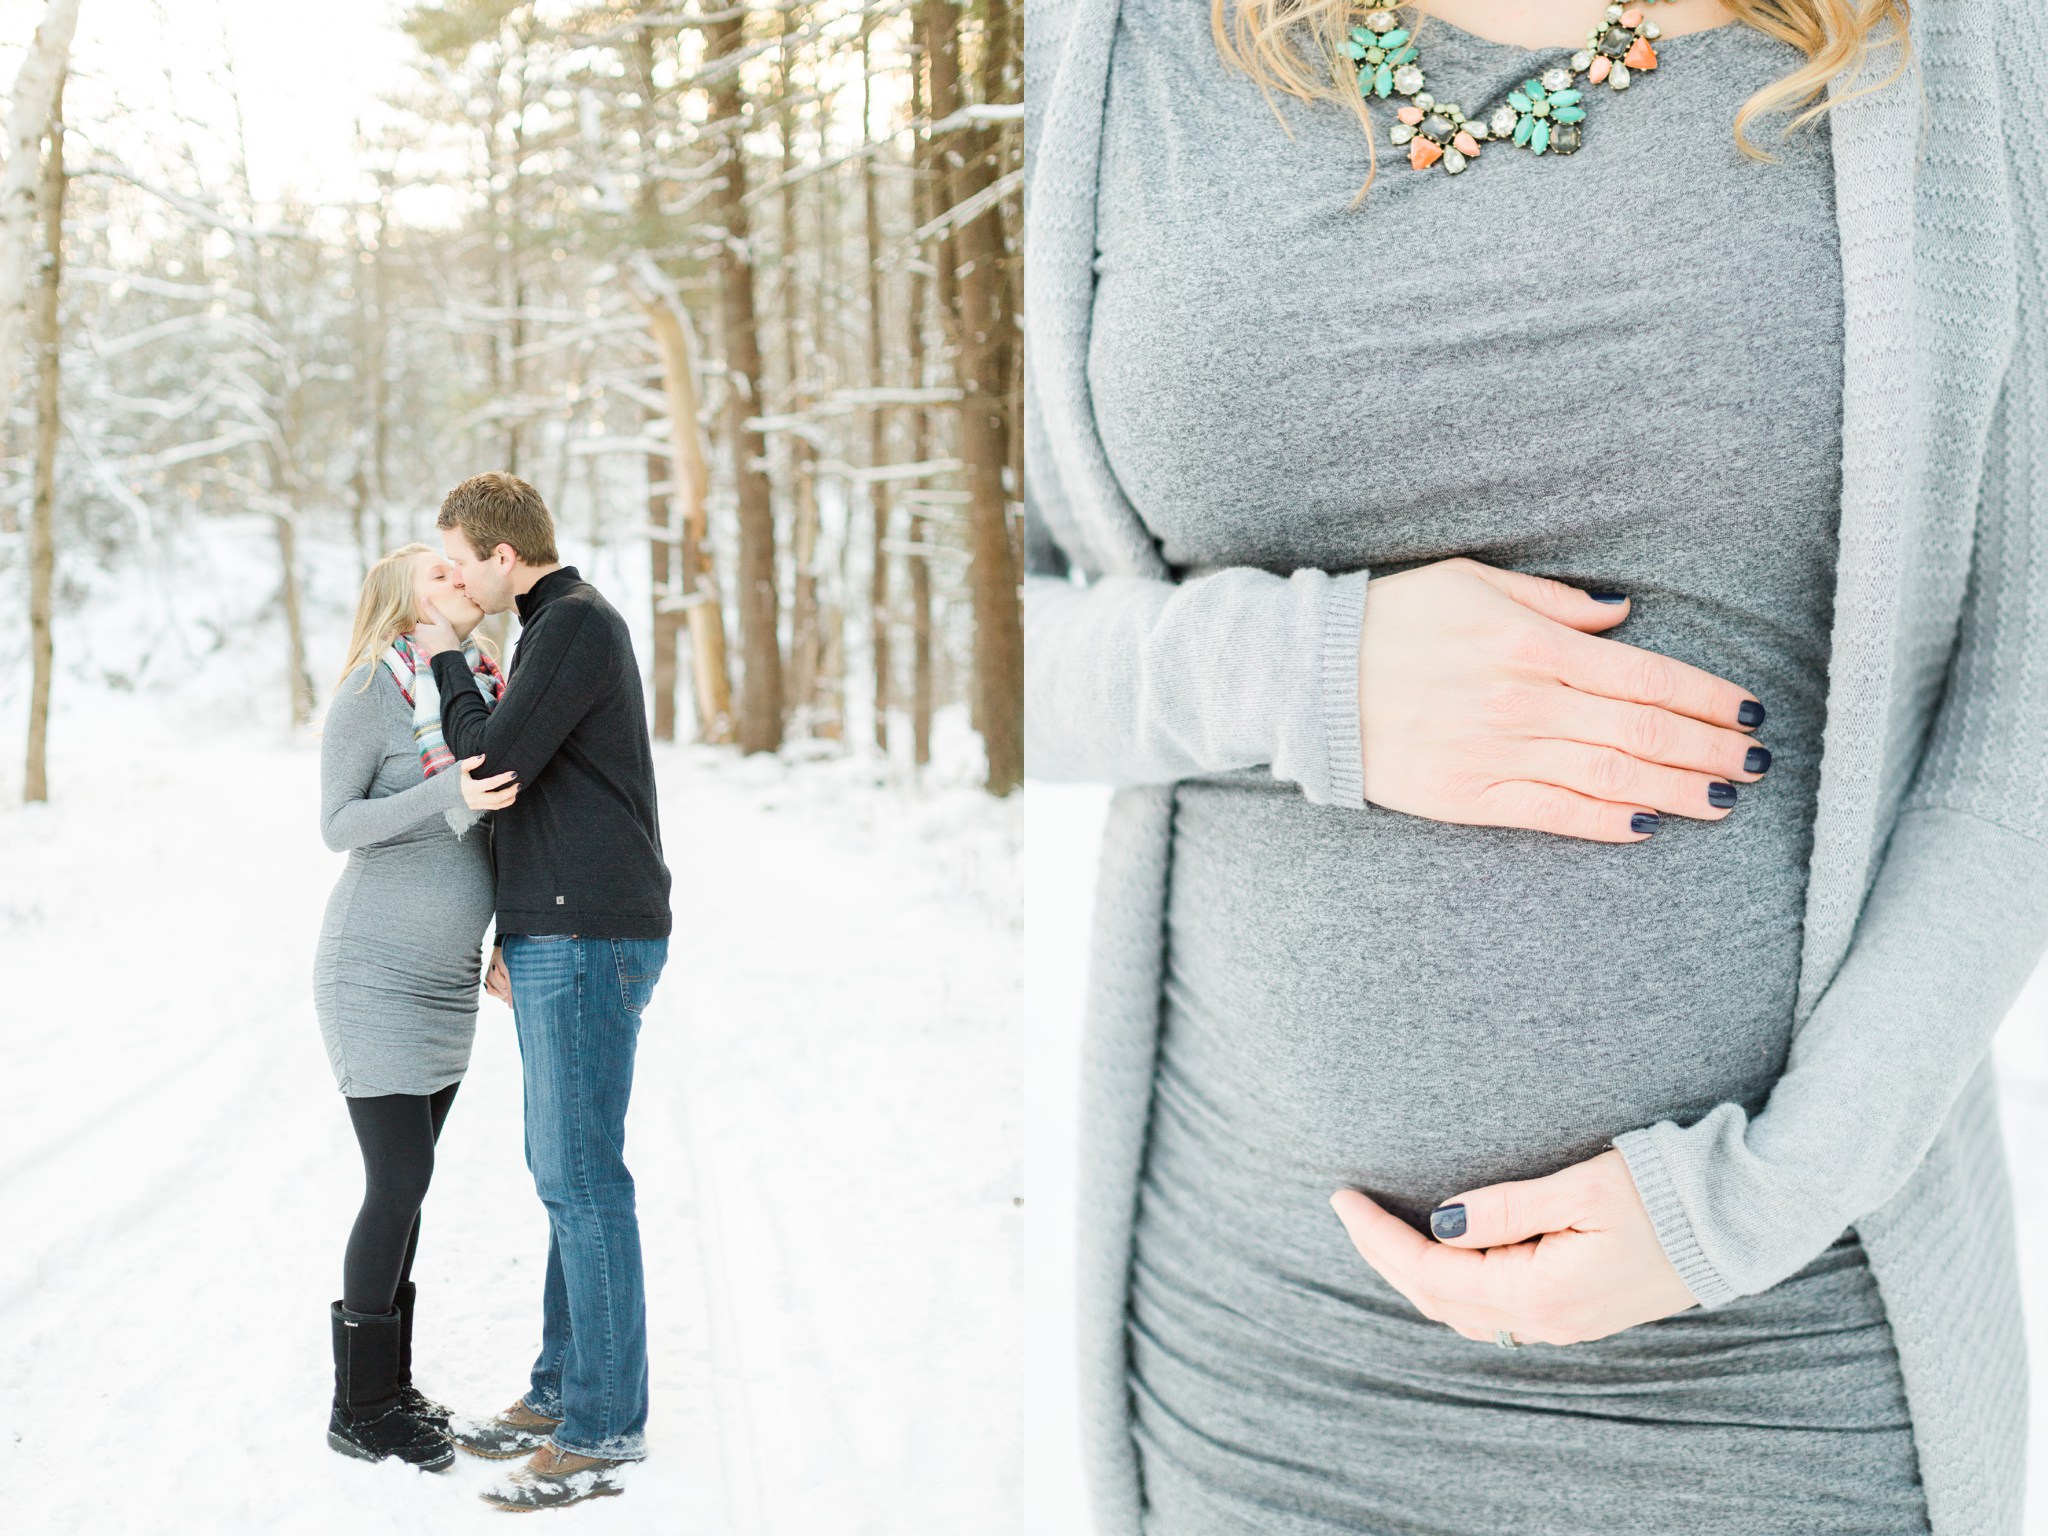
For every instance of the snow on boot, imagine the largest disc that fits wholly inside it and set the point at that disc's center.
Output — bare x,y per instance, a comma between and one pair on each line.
410,1397
556,1477
515,1432
367,1419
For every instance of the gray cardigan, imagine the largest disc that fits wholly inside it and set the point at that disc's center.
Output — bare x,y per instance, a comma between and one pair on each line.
1927,900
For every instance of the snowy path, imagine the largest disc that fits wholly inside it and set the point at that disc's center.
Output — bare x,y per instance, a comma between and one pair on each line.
825,1133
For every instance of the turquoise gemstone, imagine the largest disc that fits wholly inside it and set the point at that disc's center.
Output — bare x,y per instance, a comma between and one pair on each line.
1569,114
1532,89
1539,139
1383,82
1395,38
1518,101
1356,50
1365,81
1404,55
1563,98
1360,35
1522,128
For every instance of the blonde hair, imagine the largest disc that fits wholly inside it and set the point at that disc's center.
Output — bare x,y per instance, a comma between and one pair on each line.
388,609
1833,34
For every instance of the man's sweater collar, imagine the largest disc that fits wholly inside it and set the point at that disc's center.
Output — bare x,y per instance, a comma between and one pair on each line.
545,591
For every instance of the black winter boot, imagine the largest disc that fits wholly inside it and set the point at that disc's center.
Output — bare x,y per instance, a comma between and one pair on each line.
410,1397
368,1420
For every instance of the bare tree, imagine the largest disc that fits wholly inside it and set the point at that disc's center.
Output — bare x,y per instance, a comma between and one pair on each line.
42,554
760,642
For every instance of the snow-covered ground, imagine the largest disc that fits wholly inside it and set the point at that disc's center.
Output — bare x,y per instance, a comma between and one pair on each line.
825,1131
1064,827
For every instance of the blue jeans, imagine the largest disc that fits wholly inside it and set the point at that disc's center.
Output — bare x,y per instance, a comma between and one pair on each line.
577,1003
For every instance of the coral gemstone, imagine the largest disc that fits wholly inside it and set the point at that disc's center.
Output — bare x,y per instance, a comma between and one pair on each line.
1641,56
1632,17
1599,70
1409,114
1422,154
1467,145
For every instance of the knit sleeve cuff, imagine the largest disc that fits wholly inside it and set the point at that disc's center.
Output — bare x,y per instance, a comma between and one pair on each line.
1343,617
1668,1216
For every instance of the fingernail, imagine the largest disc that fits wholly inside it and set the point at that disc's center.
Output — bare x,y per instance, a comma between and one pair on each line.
1448,1221
1750,713
1645,821
1757,760
1720,796
1608,597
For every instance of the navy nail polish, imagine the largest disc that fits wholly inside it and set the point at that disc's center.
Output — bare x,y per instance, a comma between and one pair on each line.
1749,713
1448,1221
1757,760
1645,821
1720,796
1608,597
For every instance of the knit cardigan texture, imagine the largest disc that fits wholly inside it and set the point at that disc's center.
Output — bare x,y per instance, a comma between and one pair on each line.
1927,898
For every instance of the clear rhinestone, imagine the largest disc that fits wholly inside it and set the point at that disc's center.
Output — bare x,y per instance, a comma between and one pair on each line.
1503,122
1618,77
1407,79
1454,162
1582,60
1424,100
1651,29
1614,13
1400,133
1556,79
1381,21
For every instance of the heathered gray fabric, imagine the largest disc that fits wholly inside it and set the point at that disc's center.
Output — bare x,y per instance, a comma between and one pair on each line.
1927,893
1414,1008
396,973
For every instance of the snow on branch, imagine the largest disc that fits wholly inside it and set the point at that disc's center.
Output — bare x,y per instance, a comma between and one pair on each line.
963,212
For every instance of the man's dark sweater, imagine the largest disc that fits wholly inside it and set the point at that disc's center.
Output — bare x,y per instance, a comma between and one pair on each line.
580,850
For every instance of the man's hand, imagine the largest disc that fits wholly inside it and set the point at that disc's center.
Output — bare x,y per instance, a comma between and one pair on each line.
1558,1260
435,634
497,981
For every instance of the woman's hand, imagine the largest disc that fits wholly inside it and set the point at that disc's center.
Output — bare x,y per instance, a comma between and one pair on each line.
1486,698
1557,1260
497,980
485,794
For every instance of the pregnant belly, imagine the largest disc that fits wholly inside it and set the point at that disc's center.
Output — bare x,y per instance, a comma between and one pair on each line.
1414,1008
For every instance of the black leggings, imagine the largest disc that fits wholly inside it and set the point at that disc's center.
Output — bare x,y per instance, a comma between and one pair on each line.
397,1132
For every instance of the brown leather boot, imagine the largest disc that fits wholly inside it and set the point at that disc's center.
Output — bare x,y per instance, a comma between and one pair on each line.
553,1477
515,1432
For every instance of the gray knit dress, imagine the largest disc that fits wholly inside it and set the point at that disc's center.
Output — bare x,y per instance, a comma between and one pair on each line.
399,963
1622,369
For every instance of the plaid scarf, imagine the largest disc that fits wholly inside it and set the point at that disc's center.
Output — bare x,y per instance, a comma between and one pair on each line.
413,671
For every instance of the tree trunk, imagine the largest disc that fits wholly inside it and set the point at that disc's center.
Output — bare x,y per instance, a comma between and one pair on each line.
801,683
29,109
878,419
984,428
42,553
917,566
760,645
660,549
698,579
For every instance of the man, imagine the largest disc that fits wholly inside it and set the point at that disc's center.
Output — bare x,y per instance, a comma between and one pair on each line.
582,934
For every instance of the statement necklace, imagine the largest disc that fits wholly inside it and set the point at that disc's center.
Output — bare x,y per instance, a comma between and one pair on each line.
1540,115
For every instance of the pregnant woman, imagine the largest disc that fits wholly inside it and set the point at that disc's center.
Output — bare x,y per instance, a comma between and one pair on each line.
396,974
1564,600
